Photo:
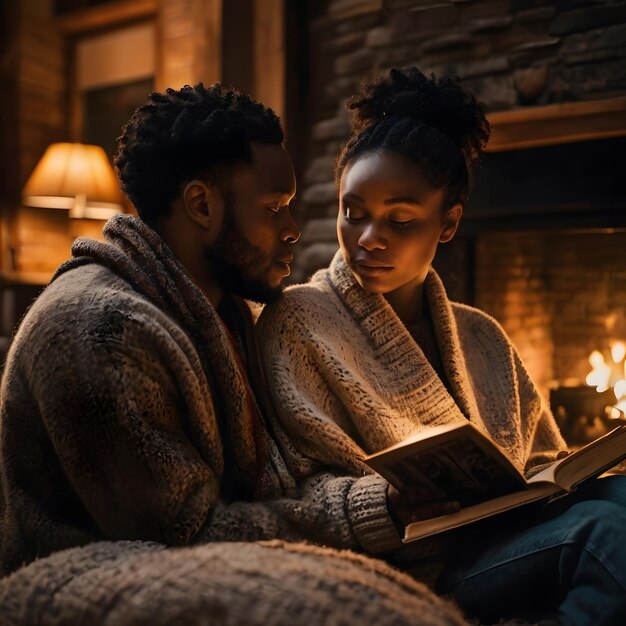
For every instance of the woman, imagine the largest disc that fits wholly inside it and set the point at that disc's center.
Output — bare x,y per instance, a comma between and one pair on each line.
371,350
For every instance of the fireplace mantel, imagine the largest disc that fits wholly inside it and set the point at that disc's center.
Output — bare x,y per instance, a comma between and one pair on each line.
557,123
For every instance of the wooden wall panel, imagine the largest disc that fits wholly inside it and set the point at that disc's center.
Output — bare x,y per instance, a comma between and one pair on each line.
189,36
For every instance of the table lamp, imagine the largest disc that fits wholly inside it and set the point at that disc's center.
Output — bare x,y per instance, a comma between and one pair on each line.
77,177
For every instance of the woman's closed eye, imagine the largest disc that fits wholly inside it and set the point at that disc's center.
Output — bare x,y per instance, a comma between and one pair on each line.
402,223
401,217
352,214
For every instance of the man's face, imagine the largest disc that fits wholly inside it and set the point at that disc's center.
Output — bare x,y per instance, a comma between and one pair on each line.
252,252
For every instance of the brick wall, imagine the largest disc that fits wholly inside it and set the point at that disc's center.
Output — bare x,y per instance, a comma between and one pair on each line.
559,296
511,284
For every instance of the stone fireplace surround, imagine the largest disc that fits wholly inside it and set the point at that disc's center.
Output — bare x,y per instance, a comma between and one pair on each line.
544,244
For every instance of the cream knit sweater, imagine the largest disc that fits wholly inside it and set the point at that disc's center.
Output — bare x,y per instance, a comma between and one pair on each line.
347,379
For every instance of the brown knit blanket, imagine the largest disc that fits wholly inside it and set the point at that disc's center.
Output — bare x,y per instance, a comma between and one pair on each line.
226,584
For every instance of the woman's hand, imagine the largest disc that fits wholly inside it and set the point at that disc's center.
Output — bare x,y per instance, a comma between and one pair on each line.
412,505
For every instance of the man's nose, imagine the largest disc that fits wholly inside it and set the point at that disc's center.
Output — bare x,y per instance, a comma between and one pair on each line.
372,239
291,232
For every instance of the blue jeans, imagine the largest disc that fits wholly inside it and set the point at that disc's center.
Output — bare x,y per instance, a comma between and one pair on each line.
568,557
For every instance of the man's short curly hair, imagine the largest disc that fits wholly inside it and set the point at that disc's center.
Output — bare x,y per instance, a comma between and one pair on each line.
183,134
434,123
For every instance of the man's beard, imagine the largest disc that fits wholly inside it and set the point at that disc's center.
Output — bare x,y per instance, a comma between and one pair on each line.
234,259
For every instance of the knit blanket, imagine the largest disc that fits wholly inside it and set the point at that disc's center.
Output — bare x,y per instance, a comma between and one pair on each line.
230,584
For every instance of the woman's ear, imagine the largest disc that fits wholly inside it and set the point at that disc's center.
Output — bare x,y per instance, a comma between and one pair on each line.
450,222
203,203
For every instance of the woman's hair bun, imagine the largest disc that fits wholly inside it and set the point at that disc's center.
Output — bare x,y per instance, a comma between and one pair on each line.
439,103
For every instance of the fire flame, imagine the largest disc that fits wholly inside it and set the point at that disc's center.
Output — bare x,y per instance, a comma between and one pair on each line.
618,351
605,375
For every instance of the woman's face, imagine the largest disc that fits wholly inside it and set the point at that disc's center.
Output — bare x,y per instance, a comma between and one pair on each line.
390,222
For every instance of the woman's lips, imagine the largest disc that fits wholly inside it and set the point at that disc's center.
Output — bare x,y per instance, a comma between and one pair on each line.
367,269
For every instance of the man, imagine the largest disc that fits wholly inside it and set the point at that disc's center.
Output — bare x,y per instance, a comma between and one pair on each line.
126,408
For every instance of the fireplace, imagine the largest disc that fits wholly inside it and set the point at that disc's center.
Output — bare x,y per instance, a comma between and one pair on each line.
543,249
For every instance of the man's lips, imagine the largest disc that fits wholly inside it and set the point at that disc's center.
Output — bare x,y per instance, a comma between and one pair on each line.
284,262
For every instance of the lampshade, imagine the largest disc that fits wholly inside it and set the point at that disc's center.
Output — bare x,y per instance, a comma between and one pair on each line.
77,177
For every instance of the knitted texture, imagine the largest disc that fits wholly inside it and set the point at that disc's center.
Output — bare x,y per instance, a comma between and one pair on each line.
230,584
347,379
120,388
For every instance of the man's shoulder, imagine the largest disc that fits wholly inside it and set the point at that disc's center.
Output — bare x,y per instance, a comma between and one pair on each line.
82,288
78,301
95,275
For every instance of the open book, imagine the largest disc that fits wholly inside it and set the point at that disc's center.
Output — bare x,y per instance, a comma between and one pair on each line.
458,462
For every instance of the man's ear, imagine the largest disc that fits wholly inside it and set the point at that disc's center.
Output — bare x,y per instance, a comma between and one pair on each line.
450,222
203,203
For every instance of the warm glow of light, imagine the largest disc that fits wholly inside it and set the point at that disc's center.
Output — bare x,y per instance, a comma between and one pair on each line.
77,177
620,389
618,351
599,376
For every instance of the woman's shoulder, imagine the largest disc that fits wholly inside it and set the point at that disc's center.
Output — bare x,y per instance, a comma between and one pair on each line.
471,320
467,318
315,293
308,305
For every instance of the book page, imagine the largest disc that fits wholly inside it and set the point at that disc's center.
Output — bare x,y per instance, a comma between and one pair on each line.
586,462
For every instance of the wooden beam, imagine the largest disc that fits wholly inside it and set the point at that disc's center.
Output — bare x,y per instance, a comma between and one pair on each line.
105,15
557,123
189,43
207,41
269,54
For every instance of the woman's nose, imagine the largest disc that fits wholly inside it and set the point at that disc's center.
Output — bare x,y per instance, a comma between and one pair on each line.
372,239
